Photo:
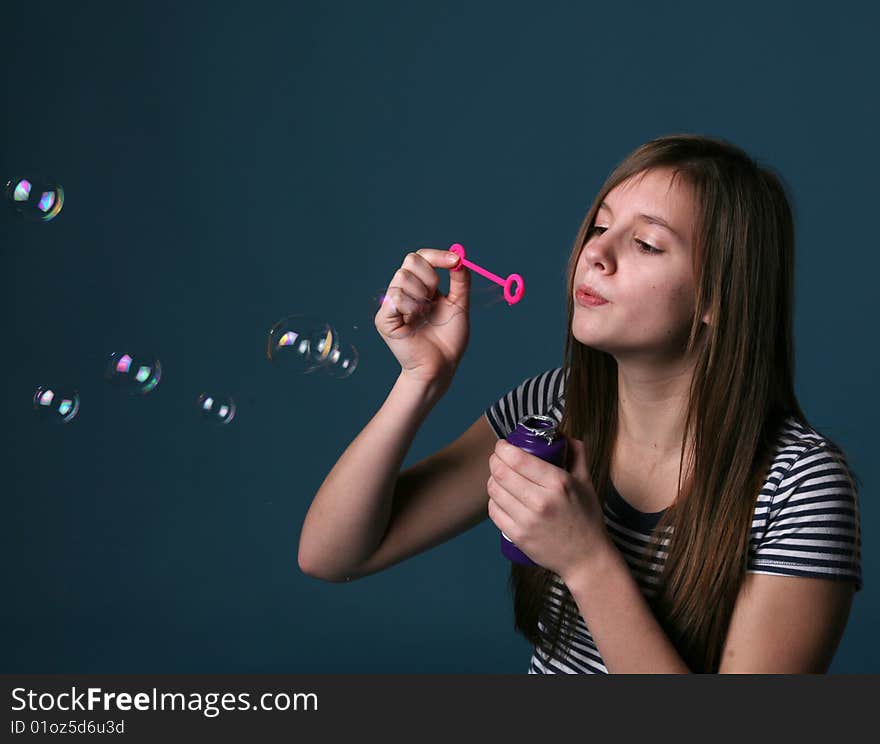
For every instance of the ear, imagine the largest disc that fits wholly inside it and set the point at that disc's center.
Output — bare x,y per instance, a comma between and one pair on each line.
707,318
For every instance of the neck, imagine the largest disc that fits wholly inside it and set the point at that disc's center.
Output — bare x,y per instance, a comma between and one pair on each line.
651,410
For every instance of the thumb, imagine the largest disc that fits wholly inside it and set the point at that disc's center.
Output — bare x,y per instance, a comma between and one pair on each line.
459,284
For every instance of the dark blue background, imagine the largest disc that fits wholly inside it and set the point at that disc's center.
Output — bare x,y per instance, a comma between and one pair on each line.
227,164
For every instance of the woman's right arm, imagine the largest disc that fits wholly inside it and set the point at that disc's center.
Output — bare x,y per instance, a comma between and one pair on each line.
351,511
362,502
381,518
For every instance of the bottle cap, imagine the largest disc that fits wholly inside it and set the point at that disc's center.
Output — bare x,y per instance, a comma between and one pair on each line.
540,426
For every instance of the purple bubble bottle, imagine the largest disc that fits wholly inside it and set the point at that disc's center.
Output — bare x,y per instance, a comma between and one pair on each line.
536,435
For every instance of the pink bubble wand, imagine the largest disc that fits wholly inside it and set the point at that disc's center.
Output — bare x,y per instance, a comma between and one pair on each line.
512,296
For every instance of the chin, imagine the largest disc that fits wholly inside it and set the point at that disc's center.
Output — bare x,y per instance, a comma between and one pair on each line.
588,339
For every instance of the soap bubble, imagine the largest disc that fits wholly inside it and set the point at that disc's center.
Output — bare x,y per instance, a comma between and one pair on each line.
33,199
59,405
136,374
301,343
342,362
217,409
323,345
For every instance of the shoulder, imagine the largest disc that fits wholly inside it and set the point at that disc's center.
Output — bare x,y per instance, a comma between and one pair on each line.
541,393
807,514
801,454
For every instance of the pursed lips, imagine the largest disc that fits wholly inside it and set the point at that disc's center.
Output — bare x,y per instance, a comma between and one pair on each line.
585,289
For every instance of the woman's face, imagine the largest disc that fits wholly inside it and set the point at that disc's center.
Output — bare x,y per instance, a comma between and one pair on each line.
642,268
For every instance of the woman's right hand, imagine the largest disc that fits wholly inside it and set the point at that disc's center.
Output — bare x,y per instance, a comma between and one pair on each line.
426,330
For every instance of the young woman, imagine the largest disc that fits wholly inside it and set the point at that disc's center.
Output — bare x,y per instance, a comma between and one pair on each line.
701,524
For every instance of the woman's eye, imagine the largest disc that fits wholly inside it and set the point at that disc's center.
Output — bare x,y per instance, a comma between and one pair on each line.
647,248
643,246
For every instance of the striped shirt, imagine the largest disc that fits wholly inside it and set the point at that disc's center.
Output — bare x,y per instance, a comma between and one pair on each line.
806,520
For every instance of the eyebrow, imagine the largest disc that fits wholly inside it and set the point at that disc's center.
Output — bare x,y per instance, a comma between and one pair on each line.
652,218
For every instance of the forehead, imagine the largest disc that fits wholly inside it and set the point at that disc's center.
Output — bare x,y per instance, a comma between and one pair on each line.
655,192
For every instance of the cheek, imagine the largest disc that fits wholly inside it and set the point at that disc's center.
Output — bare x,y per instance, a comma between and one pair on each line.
656,298
683,300
660,305
678,304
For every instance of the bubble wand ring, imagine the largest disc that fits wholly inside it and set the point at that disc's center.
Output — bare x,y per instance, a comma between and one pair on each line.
512,296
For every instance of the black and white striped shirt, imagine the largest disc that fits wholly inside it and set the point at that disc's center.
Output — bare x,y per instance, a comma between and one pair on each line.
806,520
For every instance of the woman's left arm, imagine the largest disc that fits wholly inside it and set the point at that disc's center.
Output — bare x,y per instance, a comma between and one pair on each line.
628,636
779,625
786,625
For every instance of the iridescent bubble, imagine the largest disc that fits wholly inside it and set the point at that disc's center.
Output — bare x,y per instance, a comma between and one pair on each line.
323,345
33,199
342,362
59,405
218,409
136,374
301,343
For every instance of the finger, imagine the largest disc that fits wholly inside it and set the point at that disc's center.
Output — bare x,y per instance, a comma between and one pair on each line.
531,469
459,281
424,264
459,284
501,518
437,258
399,303
506,488
413,284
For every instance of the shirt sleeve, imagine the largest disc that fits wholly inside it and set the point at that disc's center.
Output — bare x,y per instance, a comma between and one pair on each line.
536,395
813,526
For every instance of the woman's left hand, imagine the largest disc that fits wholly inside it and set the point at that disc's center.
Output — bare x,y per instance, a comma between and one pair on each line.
552,515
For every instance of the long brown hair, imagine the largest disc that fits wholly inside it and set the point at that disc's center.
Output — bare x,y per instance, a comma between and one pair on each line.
741,393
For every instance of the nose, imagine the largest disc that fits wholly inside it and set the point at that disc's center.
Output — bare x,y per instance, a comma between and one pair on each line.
598,251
